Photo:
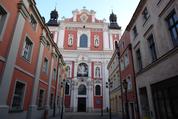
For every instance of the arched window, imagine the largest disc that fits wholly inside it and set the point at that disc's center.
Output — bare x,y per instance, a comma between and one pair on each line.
82,70
82,90
83,41
68,71
97,90
97,72
67,89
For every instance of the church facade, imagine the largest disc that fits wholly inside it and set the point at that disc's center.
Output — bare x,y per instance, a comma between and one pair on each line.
87,45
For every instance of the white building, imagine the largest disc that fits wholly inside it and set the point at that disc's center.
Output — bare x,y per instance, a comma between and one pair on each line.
87,45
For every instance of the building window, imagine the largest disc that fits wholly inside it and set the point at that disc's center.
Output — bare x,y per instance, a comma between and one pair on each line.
3,16
83,41
135,33
33,22
122,64
18,96
139,59
97,72
96,40
27,49
152,48
51,100
97,90
145,14
67,89
68,71
126,59
41,98
45,65
172,21
54,74
70,40
82,90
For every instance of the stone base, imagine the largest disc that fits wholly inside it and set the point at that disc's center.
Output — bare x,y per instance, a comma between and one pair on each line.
4,111
33,113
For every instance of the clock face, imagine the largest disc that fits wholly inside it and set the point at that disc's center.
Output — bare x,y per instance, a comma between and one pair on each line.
83,17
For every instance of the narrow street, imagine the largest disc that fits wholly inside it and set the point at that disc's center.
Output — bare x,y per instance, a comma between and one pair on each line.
86,116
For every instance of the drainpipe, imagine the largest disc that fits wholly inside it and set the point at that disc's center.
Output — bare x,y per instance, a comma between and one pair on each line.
130,48
118,54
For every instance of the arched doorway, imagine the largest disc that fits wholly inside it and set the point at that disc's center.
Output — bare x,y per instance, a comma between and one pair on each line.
82,99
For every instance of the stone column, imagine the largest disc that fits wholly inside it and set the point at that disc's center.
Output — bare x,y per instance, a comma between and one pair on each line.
32,112
10,63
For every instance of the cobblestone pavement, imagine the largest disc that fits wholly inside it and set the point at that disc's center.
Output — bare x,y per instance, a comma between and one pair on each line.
86,116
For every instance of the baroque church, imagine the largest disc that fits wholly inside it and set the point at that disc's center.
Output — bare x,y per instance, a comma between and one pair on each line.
87,45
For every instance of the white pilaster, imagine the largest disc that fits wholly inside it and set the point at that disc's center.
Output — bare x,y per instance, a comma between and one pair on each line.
9,67
61,38
49,83
106,40
32,112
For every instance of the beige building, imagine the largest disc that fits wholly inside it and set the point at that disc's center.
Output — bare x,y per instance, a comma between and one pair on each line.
115,88
154,37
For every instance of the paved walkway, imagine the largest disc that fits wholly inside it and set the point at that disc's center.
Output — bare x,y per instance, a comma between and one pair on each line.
86,116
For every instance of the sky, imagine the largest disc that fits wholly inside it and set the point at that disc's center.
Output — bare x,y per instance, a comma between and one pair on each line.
124,9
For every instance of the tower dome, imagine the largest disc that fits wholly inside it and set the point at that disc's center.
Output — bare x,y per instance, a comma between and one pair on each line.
53,18
113,17
113,22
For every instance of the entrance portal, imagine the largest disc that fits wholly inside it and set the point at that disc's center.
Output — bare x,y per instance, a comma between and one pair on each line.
81,104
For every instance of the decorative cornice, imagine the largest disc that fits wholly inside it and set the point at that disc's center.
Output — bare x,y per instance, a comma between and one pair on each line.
23,10
24,71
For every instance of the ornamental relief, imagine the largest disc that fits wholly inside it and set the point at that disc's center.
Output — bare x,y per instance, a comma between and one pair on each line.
84,18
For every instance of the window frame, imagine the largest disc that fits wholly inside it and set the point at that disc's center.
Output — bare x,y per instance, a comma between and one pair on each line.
139,60
151,44
51,101
145,15
23,100
135,32
44,69
173,26
3,21
23,49
99,90
54,73
83,39
68,88
33,22
43,99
